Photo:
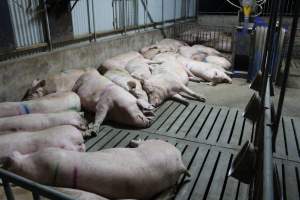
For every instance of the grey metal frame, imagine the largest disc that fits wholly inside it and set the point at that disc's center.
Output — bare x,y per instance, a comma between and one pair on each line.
36,189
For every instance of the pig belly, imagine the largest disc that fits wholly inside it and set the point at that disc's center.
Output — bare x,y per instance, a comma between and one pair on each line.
34,122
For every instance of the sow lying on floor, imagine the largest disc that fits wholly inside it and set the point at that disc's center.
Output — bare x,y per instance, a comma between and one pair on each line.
117,173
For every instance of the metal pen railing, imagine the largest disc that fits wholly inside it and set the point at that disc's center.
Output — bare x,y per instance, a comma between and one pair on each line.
36,189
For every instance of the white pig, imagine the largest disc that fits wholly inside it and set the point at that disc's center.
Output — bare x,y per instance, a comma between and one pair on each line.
192,53
139,173
51,103
66,137
123,79
207,50
103,97
167,81
206,71
140,68
119,61
217,60
62,82
38,121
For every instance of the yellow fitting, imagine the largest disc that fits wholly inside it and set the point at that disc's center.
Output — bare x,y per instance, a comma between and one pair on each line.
247,10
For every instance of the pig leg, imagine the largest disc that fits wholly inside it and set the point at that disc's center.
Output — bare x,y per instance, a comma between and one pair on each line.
101,112
196,79
180,99
192,93
135,143
144,105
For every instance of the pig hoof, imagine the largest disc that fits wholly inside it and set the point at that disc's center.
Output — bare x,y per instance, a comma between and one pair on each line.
135,143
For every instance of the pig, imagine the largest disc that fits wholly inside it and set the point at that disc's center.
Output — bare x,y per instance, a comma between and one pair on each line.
106,99
140,68
207,71
62,82
207,50
117,173
38,121
150,51
176,44
123,79
119,61
167,81
192,53
67,137
217,60
163,46
56,102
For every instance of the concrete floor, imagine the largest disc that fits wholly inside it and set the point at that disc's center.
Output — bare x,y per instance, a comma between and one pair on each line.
238,94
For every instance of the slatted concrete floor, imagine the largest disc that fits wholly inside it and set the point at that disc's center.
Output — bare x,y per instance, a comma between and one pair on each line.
209,137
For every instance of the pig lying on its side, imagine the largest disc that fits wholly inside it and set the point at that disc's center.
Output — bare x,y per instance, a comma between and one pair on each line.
217,60
62,82
207,50
207,71
192,53
176,44
67,137
140,68
37,121
51,103
119,61
123,79
167,81
101,96
117,173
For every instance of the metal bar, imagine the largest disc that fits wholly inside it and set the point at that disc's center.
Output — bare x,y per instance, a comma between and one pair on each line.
47,26
43,46
151,19
36,196
32,186
89,17
124,16
287,65
268,193
267,57
94,23
7,189
162,12
76,1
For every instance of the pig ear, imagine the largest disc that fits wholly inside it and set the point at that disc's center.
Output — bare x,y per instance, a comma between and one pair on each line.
38,83
12,161
131,85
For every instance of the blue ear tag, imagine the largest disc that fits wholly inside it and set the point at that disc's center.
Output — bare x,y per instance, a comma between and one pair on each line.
24,109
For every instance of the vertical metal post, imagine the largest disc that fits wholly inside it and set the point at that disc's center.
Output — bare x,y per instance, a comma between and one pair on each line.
287,64
268,50
36,196
124,16
89,20
47,26
162,13
175,11
7,189
268,193
94,23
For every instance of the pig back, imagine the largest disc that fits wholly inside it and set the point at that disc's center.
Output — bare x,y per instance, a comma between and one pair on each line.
51,103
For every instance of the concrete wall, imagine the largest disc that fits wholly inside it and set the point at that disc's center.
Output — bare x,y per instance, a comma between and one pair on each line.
16,75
